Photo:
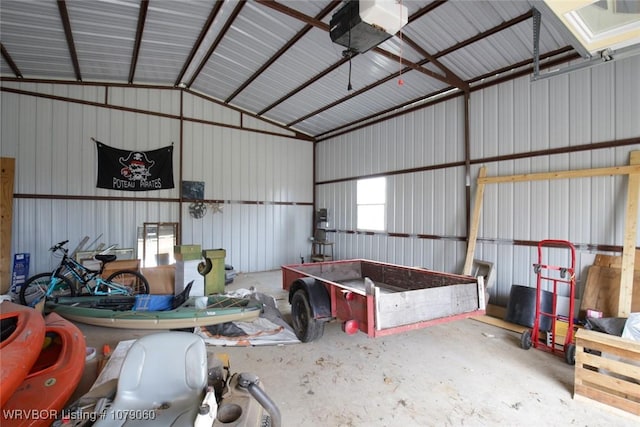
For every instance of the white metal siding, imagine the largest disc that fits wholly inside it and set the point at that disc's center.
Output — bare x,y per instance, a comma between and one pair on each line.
259,176
428,202
265,180
520,116
165,101
425,137
200,108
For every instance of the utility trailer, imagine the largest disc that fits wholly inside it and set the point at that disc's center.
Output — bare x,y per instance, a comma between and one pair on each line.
376,298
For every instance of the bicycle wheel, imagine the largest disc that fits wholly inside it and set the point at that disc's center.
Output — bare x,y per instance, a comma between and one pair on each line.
35,288
131,280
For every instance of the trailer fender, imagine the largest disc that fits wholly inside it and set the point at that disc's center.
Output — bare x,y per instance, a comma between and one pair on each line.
319,299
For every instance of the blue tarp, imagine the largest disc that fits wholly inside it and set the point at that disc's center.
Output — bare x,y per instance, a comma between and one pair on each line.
145,302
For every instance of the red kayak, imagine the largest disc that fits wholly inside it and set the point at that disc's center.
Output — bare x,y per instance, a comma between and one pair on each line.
21,338
53,378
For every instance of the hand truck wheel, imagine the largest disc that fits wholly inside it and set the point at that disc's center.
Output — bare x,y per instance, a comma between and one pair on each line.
525,339
570,354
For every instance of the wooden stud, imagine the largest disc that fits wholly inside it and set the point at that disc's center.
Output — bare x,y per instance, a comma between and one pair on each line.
631,221
7,167
629,246
578,173
475,221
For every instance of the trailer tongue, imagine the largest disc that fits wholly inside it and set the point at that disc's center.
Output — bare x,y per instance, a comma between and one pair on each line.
376,298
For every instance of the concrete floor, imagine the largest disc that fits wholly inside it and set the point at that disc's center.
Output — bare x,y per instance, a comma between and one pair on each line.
459,373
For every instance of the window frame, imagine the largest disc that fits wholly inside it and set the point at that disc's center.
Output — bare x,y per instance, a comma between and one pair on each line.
367,202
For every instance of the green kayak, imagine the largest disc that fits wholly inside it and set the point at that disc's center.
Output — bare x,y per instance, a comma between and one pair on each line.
121,312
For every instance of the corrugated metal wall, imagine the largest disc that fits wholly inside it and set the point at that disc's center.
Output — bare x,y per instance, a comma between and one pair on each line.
428,202
264,180
520,116
266,184
582,107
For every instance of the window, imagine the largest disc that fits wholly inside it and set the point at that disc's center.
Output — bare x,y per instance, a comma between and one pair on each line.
371,201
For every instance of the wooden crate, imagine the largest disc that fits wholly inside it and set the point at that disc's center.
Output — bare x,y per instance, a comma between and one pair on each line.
161,278
121,264
608,370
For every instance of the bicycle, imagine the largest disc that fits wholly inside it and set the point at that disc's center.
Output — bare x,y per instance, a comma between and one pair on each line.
60,282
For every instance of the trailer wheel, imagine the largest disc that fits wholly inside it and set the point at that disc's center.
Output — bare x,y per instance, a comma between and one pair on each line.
525,339
305,326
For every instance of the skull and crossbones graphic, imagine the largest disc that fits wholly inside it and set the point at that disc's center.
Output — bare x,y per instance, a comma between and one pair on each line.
136,166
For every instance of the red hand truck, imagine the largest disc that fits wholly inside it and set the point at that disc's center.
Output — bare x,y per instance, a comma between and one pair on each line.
559,276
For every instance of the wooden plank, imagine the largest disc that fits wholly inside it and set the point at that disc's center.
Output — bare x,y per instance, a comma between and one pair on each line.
615,261
121,264
610,384
403,308
7,168
608,399
608,364
611,376
475,222
162,279
602,290
629,246
590,338
494,315
496,311
578,173
601,406
489,320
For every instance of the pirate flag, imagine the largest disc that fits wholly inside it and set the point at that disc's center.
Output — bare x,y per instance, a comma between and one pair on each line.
134,170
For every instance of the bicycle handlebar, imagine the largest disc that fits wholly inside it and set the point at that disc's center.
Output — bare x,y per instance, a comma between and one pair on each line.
59,246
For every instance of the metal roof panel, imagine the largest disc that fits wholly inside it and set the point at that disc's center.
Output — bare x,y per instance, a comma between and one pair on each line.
104,35
470,38
171,30
252,39
386,95
298,65
33,34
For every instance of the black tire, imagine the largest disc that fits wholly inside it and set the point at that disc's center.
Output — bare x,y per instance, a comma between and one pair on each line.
204,267
134,281
570,354
35,288
525,339
307,328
